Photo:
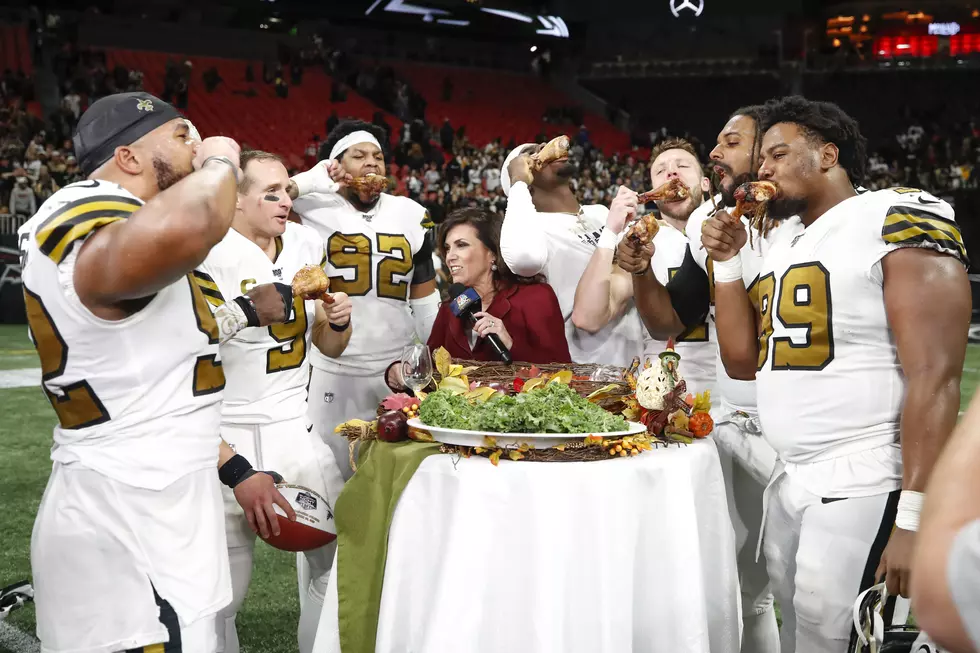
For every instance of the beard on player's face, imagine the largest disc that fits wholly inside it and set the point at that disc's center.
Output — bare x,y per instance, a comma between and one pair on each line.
682,210
731,180
166,175
784,207
361,202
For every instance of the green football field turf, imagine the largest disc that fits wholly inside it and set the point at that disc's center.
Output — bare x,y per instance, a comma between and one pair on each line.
268,620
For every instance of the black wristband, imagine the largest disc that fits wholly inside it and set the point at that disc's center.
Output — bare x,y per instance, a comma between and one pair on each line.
236,470
287,296
248,308
340,328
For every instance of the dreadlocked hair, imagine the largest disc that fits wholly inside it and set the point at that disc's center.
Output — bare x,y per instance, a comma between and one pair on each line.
757,113
346,127
823,122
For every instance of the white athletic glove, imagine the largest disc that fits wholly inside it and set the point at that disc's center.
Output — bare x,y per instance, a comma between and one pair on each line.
316,180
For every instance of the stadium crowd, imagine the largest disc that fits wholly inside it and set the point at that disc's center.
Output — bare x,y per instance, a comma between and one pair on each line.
435,165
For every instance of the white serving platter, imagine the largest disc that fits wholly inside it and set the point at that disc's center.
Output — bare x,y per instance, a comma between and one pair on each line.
537,440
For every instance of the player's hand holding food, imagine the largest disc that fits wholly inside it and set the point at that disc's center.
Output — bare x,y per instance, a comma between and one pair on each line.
272,303
520,170
723,236
634,256
327,176
622,210
221,147
338,307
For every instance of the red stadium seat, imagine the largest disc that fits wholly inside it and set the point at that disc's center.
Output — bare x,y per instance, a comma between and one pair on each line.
263,122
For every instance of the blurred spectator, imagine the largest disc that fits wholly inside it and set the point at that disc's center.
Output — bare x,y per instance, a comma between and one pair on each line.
45,185
73,102
22,199
432,178
211,79
446,135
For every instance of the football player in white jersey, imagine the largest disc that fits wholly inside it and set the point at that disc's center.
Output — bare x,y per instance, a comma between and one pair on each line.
667,308
379,252
605,290
863,318
547,232
128,550
264,407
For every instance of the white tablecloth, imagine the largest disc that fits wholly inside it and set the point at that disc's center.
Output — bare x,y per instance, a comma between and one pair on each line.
619,556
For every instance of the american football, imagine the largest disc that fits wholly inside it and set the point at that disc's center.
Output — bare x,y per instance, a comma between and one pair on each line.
314,525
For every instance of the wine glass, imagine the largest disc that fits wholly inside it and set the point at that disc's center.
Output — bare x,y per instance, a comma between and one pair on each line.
416,366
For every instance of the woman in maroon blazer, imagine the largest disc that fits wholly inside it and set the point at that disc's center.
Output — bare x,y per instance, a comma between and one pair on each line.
524,313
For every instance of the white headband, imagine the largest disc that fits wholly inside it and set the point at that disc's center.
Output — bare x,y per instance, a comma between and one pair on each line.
354,138
504,175
192,132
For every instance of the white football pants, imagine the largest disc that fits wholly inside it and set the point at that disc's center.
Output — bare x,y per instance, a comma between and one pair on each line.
334,399
296,451
747,461
822,553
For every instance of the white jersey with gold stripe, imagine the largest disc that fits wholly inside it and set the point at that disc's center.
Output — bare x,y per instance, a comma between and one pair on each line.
267,368
829,380
374,256
698,346
137,399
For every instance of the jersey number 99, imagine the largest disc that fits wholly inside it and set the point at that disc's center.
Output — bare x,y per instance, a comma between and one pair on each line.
801,301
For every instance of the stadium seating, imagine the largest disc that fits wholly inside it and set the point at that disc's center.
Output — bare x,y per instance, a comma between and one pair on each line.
492,104
15,51
265,121
268,122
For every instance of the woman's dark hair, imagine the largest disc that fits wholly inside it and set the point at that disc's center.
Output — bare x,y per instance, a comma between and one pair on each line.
823,122
487,227
349,127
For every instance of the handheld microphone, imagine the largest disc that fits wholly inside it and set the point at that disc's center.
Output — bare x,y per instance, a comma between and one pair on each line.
463,303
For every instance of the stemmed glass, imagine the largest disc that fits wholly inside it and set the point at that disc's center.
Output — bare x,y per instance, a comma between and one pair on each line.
416,366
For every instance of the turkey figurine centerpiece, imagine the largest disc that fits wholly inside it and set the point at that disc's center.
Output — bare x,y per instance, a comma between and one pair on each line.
661,401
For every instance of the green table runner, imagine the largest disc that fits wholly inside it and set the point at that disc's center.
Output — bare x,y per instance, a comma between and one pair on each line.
363,515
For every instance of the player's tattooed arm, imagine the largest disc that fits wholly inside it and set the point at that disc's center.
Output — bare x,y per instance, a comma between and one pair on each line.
265,304
928,303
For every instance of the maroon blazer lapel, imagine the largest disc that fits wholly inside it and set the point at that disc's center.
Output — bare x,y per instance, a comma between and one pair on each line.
458,334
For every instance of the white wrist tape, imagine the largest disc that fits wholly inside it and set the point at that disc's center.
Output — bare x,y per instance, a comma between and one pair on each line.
728,271
608,239
909,509
315,180
231,319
